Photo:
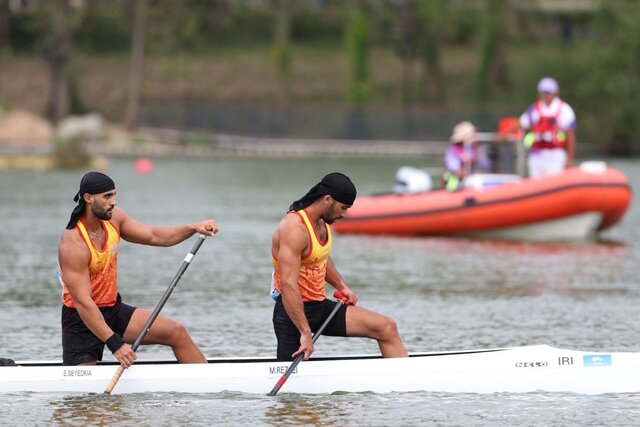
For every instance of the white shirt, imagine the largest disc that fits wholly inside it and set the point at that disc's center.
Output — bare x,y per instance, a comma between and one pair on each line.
566,118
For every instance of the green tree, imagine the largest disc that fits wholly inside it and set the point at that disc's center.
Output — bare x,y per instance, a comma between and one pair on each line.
432,14
5,38
59,52
406,32
5,25
609,86
358,45
281,52
137,63
493,70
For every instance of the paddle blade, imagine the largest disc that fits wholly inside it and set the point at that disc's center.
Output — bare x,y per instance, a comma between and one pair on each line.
278,386
299,358
283,379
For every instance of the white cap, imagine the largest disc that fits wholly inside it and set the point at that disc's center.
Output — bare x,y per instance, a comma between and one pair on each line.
548,85
463,132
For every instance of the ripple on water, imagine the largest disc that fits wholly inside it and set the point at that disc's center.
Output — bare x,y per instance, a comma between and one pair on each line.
444,294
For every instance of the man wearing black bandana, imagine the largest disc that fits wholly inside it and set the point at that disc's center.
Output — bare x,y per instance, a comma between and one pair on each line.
300,254
92,312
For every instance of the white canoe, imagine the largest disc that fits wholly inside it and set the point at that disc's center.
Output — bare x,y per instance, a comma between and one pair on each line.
515,370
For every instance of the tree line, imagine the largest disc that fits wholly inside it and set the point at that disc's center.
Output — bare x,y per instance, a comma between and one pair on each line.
592,47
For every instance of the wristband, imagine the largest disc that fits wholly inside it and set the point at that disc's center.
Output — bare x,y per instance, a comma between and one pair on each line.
114,342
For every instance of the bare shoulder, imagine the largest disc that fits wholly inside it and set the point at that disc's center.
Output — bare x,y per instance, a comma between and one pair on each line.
289,224
290,229
290,232
72,248
70,238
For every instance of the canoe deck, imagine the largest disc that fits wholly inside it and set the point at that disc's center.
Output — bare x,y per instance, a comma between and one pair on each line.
515,370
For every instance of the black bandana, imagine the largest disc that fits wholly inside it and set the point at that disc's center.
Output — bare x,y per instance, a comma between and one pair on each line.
335,184
91,183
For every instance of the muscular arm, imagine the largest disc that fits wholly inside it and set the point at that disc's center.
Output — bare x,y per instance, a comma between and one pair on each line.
292,242
74,258
136,232
335,279
74,261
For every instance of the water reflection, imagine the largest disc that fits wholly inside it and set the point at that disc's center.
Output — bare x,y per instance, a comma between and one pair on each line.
450,267
292,410
445,294
89,410
458,245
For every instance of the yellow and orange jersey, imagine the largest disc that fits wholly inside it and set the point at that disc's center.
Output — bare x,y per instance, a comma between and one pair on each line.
103,266
313,266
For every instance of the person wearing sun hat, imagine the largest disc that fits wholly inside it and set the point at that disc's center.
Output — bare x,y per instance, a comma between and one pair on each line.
463,157
550,125
302,266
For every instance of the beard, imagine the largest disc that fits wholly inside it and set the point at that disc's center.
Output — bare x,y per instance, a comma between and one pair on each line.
331,214
103,214
329,219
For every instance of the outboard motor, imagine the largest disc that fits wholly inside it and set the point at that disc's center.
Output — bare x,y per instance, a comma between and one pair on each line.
412,180
7,362
594,167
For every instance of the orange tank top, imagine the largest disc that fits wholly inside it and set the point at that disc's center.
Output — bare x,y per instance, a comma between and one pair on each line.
313,266
103,266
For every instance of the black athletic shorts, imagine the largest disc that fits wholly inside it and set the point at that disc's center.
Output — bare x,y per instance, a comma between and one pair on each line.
79,345
317,312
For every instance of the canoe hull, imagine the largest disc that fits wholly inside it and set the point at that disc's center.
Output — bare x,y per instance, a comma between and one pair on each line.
515,370
594,200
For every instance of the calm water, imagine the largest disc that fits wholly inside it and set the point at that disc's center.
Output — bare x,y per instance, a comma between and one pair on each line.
444,293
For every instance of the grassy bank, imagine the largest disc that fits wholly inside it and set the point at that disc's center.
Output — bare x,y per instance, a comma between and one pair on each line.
243,76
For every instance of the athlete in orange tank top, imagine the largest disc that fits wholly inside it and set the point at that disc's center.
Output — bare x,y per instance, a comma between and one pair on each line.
103,267
300,254
313,264
93,314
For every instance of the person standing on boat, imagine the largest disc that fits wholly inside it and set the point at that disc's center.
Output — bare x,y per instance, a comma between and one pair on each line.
463,157
300,254
92,312
550,125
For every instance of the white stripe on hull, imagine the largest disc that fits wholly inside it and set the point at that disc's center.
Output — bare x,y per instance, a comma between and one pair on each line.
518,370
577,227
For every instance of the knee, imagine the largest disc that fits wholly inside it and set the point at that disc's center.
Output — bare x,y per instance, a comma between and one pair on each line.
177,332
388,327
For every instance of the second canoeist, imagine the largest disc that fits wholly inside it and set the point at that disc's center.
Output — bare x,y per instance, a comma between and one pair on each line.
300,251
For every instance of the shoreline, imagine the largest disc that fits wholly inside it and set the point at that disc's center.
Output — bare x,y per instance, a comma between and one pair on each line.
169,142
162,142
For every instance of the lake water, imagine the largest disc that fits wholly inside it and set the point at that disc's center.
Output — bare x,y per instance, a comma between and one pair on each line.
445,294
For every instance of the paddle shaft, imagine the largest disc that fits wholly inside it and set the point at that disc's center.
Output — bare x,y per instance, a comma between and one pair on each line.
156,311
299,357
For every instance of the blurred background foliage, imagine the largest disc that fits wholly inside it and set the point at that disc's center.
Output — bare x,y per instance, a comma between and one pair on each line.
425,64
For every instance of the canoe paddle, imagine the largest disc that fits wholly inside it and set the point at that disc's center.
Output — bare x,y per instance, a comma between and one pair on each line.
156,311
299,357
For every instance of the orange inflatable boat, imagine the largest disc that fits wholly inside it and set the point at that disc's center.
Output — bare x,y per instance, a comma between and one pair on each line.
575,204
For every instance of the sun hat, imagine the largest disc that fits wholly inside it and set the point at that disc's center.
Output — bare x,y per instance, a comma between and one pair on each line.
463,132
